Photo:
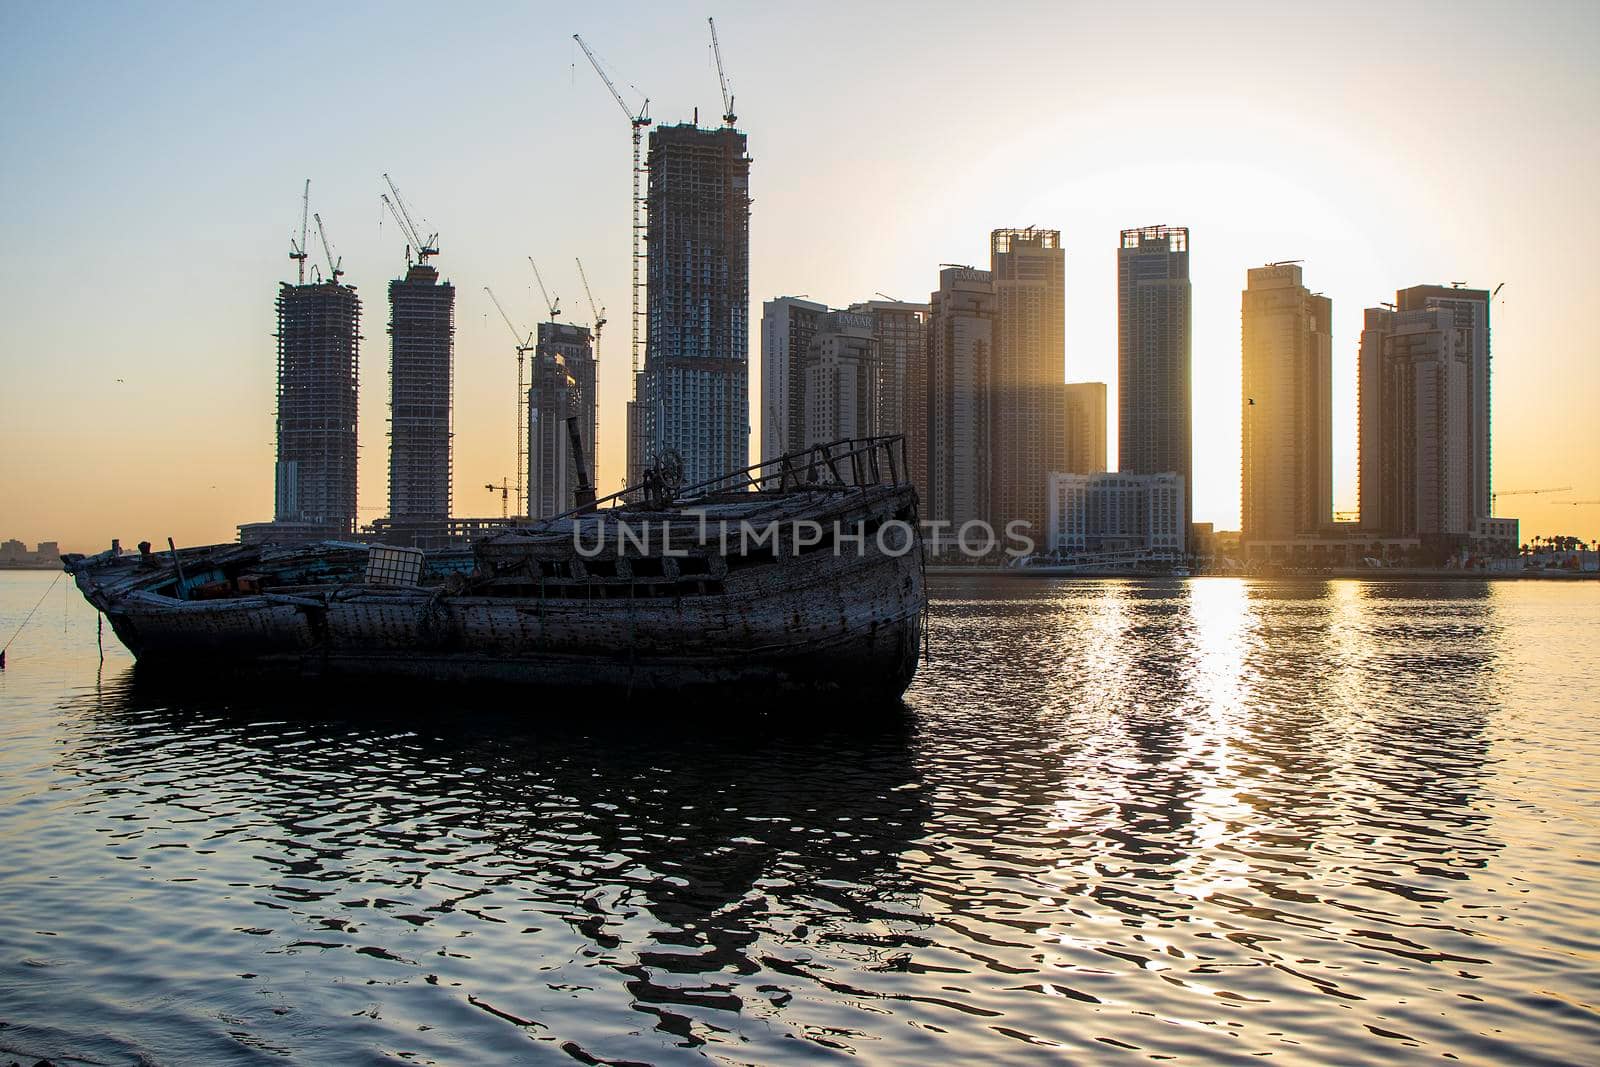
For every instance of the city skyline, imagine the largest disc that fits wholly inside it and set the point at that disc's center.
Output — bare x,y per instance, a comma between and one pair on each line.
197,394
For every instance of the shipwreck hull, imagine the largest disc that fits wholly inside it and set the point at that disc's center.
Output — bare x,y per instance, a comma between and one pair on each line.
827,596
857,629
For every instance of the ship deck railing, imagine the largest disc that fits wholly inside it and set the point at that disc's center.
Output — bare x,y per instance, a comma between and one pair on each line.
844,466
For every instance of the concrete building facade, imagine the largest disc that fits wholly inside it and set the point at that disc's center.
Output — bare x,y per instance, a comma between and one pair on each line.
1372,500
1109,513
1425,415
1154,417
1027,415
694,388
957,443
787,324
421,383
899,330
1286,406
319,363
1085,405
839,379
562,386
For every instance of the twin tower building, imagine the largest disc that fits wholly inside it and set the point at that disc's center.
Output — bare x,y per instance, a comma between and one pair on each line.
319,335
691,394
1423,423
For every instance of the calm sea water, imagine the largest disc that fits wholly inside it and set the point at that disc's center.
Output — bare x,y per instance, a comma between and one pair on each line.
1321,822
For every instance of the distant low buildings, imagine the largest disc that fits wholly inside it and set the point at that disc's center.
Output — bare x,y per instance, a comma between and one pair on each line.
15,554
1113,513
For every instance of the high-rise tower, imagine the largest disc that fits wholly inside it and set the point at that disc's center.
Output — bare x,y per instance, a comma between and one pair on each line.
694,389
421,371
1086,427
1153,355
956,447
1286,406
787,324
839,379
1027,412
562,387
900,330
1424,414
319,335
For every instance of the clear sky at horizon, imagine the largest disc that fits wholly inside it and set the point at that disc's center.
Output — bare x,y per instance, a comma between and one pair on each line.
154,158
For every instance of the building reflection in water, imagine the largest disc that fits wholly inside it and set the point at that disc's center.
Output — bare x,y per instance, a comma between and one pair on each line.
1243,777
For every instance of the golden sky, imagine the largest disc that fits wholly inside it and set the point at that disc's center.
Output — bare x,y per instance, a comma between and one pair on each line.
154,160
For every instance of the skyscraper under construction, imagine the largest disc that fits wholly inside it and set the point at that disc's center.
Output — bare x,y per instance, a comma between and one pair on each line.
319,334
421,368
562,387
694,389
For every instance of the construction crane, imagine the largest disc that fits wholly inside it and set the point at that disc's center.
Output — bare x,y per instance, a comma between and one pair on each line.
639,121
728,117
891,299
297,252
554,306
505,495
1523,492
1580,503
524,346
424,247
598,313
334,269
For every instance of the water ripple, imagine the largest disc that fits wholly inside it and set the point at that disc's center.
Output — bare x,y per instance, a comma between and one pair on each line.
1321,822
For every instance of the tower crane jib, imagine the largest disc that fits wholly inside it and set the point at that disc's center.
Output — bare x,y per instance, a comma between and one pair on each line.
554,306
728,117
334,268
425,246
638,121
297,252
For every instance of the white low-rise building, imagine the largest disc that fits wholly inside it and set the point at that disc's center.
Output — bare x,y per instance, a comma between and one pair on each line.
1111,512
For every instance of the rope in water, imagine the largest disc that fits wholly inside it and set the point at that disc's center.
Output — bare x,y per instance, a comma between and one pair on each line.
30,615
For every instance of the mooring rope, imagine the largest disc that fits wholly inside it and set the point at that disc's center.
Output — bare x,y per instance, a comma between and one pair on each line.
29,616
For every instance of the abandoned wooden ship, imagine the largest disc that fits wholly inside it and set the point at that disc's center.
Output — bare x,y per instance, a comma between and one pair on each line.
803,574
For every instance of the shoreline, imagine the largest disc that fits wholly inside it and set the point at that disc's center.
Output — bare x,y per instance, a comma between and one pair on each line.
1381,574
